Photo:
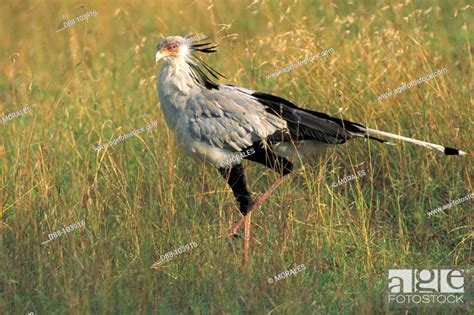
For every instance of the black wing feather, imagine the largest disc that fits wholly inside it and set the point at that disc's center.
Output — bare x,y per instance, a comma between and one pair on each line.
305,124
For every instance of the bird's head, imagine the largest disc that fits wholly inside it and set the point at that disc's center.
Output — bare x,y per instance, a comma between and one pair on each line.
173,47
179,51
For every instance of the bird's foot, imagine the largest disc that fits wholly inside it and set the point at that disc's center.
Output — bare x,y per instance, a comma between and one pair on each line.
233,229
233,233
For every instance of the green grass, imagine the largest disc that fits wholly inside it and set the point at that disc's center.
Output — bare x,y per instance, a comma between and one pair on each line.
143,197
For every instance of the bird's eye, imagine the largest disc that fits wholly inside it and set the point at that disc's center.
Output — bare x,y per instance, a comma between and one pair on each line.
173,47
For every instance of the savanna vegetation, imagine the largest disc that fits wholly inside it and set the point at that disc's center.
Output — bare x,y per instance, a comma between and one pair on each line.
142,198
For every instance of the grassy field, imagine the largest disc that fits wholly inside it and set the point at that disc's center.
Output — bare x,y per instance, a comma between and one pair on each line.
96,80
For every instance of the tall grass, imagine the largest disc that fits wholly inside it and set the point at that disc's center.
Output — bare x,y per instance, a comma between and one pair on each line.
143,197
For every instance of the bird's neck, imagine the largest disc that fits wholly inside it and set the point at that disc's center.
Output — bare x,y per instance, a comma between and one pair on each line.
175,76
175,85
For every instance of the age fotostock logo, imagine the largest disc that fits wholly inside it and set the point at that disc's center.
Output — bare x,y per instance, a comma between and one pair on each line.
426,287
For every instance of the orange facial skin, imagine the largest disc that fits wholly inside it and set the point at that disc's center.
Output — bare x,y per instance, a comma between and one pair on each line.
171,49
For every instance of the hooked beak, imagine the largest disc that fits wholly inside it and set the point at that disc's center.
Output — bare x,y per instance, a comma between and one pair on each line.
158,56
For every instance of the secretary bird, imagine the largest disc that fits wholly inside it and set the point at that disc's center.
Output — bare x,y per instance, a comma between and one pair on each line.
215,123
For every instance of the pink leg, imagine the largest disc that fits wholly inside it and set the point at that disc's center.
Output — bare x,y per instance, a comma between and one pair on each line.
235,227
245,257
246,219
233,232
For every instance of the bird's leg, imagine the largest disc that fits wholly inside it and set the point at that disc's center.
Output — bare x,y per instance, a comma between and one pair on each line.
267,194
267,157
256,205
233,229
245,257
236,180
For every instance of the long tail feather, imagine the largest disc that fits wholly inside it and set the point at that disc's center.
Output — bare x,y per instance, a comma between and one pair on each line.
445,150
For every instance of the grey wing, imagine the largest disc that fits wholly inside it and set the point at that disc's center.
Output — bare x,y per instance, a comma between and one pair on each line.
229,120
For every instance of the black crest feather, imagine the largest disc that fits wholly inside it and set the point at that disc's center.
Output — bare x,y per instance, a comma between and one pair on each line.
199,67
